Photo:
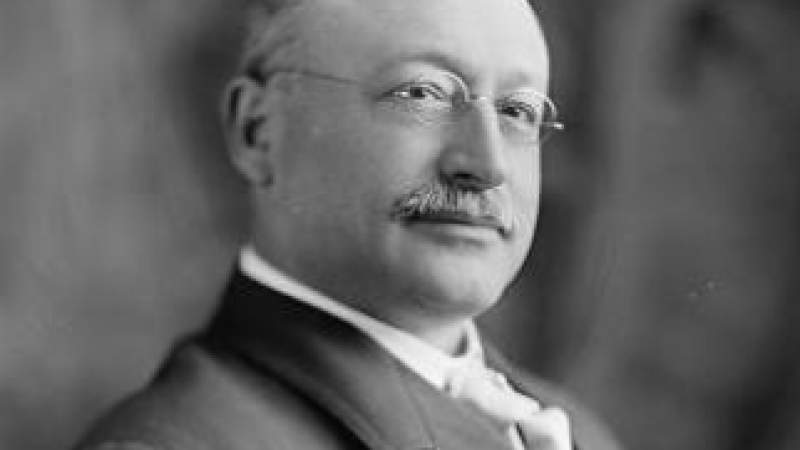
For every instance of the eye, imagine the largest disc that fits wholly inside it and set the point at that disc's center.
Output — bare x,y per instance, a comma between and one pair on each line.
523,112
421,91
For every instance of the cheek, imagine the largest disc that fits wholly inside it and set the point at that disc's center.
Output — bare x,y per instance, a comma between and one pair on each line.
337,166
525,186
354,149
525,180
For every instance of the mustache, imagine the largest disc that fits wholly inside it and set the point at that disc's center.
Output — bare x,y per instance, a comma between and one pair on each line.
442,199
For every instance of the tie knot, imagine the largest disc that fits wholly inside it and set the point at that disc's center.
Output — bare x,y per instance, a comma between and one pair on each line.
489,393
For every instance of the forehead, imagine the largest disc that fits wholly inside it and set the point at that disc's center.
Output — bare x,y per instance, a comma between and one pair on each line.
486,39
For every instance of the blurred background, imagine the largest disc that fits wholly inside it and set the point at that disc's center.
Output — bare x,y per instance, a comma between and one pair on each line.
660,286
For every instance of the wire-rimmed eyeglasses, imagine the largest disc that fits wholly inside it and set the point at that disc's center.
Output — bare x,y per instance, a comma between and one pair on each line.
525,116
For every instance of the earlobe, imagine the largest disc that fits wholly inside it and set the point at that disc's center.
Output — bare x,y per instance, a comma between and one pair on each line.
245,118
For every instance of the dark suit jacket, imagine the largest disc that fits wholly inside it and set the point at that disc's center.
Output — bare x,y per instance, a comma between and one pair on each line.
271,373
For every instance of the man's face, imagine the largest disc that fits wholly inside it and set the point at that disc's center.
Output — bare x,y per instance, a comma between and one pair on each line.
339,213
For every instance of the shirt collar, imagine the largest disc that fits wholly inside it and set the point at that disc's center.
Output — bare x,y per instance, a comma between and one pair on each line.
430,363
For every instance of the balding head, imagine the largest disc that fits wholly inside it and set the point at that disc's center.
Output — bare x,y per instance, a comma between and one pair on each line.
295,32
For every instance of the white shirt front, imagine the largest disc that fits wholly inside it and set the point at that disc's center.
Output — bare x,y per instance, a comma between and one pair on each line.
430,363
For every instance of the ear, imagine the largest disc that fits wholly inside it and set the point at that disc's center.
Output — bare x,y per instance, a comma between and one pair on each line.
245,115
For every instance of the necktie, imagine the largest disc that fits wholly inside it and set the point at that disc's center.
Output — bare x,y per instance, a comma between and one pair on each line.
528,425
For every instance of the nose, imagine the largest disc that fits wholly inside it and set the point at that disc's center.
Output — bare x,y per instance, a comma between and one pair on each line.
475,156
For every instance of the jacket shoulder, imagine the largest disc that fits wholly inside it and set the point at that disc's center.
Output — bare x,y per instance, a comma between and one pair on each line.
208,400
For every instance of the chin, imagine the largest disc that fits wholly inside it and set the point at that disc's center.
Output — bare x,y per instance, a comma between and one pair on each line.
451,280
453,291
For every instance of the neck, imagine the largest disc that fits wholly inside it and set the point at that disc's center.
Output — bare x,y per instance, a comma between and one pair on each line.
453,343
450,338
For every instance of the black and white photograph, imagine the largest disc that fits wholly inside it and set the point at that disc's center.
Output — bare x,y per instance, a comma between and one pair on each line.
399,225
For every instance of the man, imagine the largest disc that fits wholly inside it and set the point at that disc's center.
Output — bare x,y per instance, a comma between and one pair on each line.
392,148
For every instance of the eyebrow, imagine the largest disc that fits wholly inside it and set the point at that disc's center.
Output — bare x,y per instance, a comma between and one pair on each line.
462,67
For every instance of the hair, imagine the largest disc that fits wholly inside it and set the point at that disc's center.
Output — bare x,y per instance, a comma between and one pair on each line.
270,28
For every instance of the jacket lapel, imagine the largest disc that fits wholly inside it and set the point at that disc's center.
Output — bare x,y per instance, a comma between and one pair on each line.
385,404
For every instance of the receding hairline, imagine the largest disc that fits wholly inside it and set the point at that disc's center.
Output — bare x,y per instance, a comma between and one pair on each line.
273,27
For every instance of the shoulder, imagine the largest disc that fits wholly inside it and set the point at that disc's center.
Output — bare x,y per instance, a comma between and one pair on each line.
207,398
199,400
